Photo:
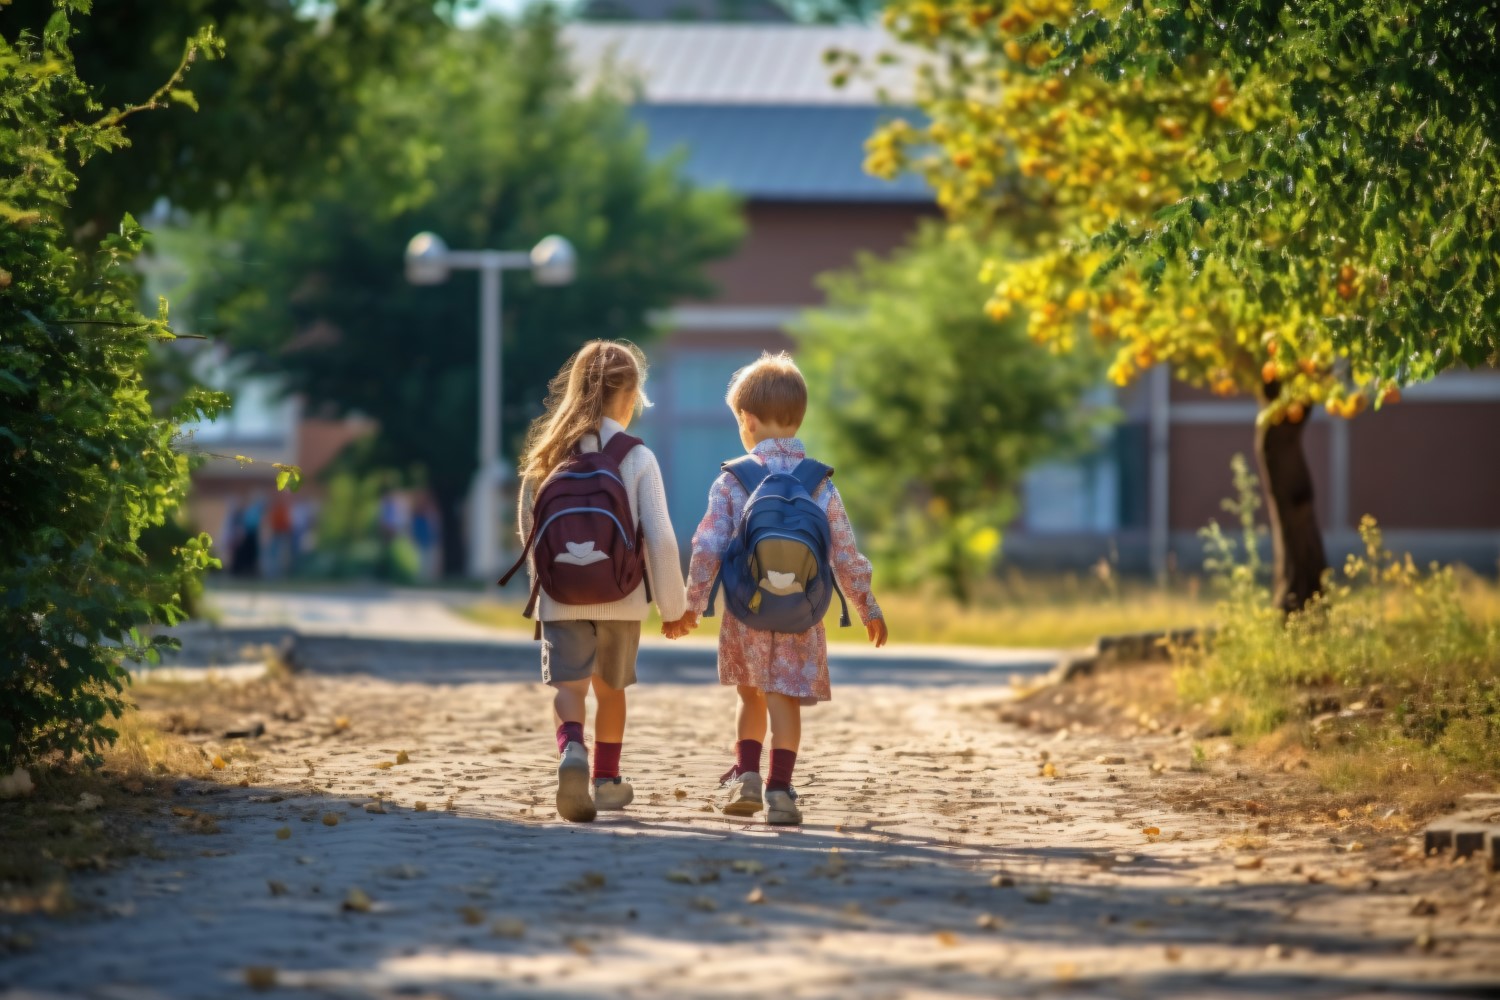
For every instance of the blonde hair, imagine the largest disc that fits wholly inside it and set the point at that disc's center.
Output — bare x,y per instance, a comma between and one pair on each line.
772,388
577,399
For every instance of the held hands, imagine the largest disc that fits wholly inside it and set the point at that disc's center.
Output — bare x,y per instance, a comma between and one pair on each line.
681,627
875,627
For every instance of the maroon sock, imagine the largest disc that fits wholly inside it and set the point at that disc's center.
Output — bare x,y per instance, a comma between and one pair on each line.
606,759
747,756
782,762
569,732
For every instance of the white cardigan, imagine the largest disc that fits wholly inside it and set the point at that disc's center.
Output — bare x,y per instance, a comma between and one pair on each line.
648,505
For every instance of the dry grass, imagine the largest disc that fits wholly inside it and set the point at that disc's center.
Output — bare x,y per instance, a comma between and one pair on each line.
1060,611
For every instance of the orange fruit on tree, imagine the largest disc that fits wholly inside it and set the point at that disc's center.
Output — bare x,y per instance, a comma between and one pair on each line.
1391,395
1308,366
1220,105
1346,291
1346,274
1268,372
1295,413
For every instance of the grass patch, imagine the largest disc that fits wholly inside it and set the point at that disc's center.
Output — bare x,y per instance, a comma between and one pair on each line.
1389,682
1052,612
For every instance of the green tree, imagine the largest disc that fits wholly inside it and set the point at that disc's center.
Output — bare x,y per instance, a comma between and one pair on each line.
931,411
277,109
88,466
1379,179
488,143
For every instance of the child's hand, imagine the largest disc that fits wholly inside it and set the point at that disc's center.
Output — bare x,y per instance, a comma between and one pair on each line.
681,627
876,629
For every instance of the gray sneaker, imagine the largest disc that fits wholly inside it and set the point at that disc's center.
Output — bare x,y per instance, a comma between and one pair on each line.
574,803
612,793
744,795
781,808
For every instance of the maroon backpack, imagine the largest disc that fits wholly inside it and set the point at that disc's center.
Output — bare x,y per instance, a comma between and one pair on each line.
587,548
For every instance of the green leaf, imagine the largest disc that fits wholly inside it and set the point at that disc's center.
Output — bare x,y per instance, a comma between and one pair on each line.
183,97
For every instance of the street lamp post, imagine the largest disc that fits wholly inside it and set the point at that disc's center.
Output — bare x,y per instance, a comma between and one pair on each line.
429,262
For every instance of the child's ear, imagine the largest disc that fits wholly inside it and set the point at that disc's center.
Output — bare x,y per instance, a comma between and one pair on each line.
748,420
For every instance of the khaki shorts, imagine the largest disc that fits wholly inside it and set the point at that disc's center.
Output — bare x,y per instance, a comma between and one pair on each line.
578,650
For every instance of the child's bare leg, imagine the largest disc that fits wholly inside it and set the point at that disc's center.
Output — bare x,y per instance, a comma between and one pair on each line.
750,719
786,722
569,705
609,736
570,702
745,785
609,714
786,737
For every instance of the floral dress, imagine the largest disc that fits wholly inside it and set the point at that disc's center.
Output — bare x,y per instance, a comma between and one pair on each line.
793,665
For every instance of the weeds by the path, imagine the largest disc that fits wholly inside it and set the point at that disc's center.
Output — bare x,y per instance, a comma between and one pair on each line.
1390,679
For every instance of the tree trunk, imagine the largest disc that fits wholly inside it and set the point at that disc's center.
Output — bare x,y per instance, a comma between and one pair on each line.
1296,540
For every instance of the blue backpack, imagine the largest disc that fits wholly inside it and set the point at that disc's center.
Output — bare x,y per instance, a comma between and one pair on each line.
775,572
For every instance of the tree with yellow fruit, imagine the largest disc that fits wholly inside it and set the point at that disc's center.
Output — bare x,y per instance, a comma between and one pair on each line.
1085,167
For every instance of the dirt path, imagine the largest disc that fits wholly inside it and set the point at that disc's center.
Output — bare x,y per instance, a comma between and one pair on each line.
938,860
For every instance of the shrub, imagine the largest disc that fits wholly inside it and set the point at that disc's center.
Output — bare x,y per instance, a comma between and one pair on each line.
87,465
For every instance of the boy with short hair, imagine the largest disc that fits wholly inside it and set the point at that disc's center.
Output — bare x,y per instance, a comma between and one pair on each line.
775,672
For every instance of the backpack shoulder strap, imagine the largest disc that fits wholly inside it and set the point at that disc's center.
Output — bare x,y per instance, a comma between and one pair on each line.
811,474
620,445
748,470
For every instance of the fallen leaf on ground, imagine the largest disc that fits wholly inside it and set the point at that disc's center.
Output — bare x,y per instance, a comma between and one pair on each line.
987,921
341,723
357,901
508,927
1109,759
1354,846
1172,953
680,877
402,758
748,866
1248,864
1278,951
384,765
472,915
579,945
1001,881
1152,831
374,807
277,888
1049,770
420,807
1041,894
680,793
756,896
330,819
260,977
284,833
704,903
1423,908
1425,941
947,939
218,763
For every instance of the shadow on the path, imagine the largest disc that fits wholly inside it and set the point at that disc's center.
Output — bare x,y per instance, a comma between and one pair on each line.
474,906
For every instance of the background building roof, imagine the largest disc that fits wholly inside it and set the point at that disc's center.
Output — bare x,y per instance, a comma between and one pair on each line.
682,10
752,107
777,152
737,63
